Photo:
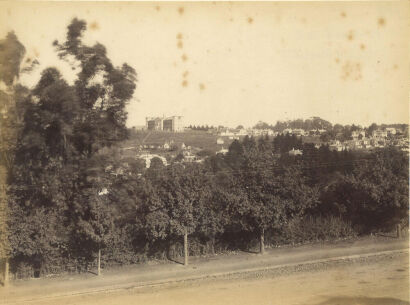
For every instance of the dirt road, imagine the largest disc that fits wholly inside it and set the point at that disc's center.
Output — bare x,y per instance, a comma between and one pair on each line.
383,281
303,275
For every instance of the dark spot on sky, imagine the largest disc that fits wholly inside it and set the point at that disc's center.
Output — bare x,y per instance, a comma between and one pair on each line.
157,8
201,86
303,20
181,10
231,19
8,12
180,44
250,20
337,60
343,14
185,74
395,67
350,36
381,21
94,26
184,83
184,57
362,46
179,36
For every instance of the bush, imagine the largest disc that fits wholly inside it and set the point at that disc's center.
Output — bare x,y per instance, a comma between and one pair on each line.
300,230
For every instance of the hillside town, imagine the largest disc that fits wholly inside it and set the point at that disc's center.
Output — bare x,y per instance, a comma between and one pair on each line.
167,139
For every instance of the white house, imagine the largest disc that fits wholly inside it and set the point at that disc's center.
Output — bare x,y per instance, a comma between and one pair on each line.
295,152
220,141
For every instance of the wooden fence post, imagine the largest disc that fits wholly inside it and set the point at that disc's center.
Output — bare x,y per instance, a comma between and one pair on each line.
186,247
6,272
99,262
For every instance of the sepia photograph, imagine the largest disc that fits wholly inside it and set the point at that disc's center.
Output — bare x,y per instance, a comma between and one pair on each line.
198,152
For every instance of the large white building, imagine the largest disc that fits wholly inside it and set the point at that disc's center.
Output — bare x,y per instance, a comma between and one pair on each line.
172,123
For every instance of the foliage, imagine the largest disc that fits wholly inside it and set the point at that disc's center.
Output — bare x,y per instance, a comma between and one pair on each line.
311,229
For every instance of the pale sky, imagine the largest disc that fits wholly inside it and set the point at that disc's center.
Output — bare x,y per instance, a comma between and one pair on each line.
238,63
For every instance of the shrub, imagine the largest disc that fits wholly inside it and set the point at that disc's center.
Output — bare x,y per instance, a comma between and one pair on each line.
300,230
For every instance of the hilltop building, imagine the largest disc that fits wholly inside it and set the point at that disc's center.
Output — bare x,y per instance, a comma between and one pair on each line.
172,123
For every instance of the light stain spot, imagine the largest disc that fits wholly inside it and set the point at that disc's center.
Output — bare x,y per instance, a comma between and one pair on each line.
184,83
158,8
231,19
343,14
8,12
362,46
250,20
179,36
36,53
180,44
28,59
350,36
184,57
351,71
381,21
201,87
185,74
395,67
94,26
337,60
181,10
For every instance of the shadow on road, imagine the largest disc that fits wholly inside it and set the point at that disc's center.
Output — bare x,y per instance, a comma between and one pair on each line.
342,300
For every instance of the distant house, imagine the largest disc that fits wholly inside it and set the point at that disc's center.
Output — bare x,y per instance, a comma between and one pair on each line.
391,130
336,147
298,132
220,141
357,133
379,133
295,152
287,131
147,158
222,151
242,132
166,145
227,134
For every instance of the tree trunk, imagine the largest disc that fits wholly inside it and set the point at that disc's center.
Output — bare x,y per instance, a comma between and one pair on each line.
99,262
6,273
262,241
398,228
213,245
186,247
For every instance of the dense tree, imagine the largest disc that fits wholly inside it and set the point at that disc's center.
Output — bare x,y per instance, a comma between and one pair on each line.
375,195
